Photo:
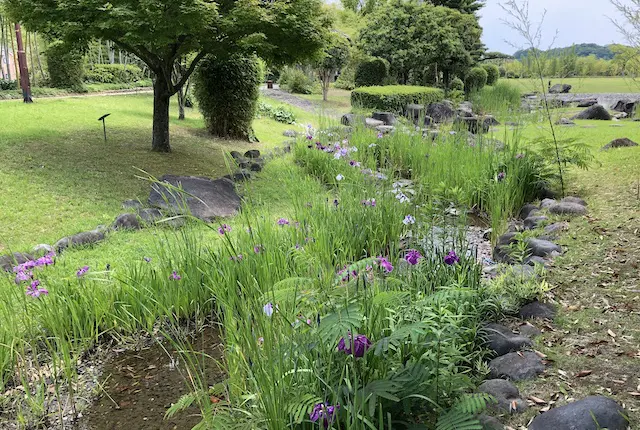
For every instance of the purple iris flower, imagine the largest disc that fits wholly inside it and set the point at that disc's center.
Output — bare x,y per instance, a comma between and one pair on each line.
451,258
283,221
257,249
147,259
175,276
224,228
501,176
324,412
35,291
82,271
268,309
385,264
360,345
413,257
519,156
409,219
23,276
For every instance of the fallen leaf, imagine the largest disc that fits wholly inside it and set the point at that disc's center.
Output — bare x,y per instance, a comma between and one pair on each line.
537,400
583,373
635,393
562,372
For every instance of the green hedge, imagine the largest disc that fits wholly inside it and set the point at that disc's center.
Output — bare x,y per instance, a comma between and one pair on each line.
113,74
371,72
394,98
66,66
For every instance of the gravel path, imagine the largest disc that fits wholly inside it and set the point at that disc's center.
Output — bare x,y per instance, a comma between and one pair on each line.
605,99
285,97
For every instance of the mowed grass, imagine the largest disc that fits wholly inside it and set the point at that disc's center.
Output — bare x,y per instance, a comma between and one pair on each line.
338,101
58,176
583,85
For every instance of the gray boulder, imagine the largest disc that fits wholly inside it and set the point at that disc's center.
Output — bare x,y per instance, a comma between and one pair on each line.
490,423
591,413
150,215
526,211
542,248
440,111
545,203
587,102
414,112
126,221
594,112
537,310
556,227
474,124
516,366
502,341
387,118
567,208
131,204
80,239
385,129
565,121
9,261
372,123
42,249
506,394
574,199
236,155
465,109
204,198
529,330
533,222
256,167
560,89
620,143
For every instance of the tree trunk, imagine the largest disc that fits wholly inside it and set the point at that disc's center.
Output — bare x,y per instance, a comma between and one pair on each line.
24,71
161,99
15,54
181,94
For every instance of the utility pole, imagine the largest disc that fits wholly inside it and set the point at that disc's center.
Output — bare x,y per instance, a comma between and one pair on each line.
24,69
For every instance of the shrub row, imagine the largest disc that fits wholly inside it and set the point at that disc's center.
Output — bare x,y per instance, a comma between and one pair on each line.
394,98
113,74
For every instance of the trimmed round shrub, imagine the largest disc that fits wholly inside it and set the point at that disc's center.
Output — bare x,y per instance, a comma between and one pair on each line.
371,73
227,90
493,73
475,80
66,66
457,84
394,98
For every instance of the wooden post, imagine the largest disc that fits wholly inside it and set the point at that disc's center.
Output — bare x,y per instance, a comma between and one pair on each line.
24,69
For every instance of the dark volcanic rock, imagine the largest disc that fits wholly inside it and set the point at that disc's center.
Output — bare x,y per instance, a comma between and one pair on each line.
620,143
474,124
539,310
556,227
80,239
560,89
440,111
126,222
204,198
626,106
236,155
9,261
387,117
252,153
587,102
542,248
591,413
565,121
534,221
506,394
594,112
490,423
502,341
131,204
574,199
516,366
150,215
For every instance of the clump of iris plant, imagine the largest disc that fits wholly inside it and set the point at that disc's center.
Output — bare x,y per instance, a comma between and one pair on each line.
324,412
356,346
501,176
413,257
175,276
451,258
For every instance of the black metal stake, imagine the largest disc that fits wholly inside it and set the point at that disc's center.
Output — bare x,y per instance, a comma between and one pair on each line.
104,124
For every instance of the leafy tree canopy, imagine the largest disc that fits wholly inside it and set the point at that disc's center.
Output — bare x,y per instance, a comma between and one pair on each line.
465,6
580,50
414,37
163,33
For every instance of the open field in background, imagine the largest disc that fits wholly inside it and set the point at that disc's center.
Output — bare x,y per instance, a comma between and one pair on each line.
582,85
60,177
338,101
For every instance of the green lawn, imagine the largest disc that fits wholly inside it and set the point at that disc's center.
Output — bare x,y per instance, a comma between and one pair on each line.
338,101
60,177
583,85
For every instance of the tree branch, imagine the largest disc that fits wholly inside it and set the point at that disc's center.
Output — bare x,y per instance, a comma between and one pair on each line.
188,72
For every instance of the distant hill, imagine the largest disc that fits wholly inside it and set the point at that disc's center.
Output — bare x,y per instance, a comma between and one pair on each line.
582,50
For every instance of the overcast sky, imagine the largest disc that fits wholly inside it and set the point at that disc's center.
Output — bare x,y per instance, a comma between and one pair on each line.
577,21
